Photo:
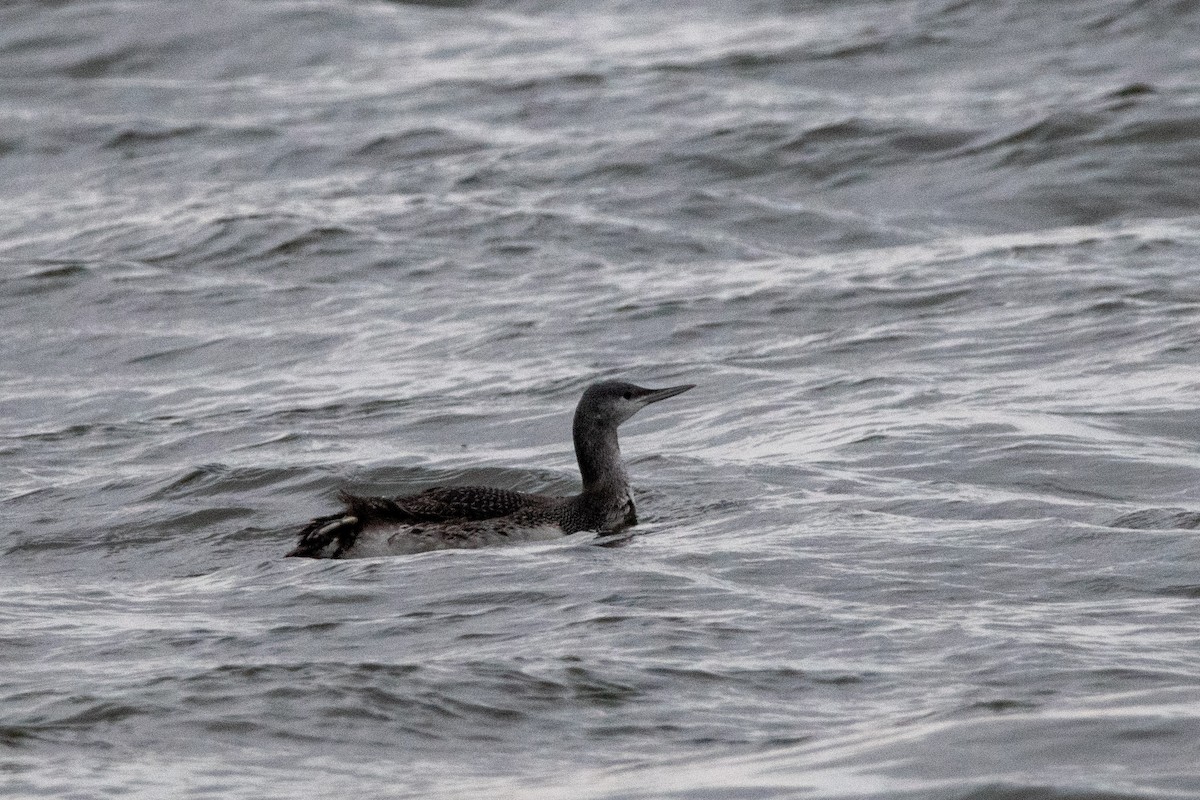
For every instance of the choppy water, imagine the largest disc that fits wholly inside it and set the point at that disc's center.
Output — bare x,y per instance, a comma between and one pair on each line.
926,529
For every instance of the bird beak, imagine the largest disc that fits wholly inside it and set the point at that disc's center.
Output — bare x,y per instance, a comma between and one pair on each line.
654,395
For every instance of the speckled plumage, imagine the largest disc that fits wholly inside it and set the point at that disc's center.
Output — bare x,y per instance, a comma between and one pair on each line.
479,516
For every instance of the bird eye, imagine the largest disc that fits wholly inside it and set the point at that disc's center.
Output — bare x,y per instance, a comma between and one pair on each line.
628,395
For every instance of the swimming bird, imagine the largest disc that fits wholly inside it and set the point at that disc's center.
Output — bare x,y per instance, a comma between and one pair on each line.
478,516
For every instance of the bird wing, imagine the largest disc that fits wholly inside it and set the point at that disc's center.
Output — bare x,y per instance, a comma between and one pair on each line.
444,504
336,533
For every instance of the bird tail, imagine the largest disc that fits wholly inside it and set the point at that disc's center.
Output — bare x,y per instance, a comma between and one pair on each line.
374,509
328,537
331,536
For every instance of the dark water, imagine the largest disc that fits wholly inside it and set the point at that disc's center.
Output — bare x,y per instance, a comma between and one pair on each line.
926,529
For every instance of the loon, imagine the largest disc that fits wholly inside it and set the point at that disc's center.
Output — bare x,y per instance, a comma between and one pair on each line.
478,516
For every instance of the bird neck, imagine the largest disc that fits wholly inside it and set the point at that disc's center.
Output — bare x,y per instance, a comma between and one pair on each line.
599,456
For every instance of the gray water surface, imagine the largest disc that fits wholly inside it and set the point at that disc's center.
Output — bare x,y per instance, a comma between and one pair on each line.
925,529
